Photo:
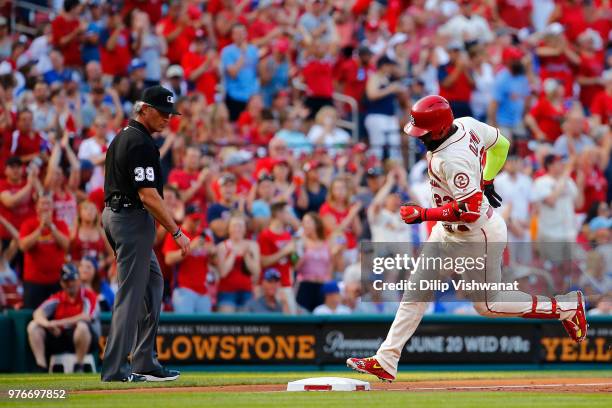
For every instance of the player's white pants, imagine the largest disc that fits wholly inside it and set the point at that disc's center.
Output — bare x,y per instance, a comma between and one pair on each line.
409,314
383,130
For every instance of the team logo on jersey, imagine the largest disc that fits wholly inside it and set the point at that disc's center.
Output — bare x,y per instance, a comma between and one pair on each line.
461,180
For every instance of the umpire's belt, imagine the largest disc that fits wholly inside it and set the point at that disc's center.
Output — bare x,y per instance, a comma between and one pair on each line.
119,201
452,228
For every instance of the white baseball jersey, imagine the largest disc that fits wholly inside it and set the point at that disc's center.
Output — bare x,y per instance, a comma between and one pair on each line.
456,166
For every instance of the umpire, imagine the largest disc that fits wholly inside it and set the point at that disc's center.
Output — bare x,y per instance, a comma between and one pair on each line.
133,201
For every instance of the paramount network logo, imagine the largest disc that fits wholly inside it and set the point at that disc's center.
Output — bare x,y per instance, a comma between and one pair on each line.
336,344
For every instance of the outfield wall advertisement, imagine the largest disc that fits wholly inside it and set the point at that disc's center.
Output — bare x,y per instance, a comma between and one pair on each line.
321,342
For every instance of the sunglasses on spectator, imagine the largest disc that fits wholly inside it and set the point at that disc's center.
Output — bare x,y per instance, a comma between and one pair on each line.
264,177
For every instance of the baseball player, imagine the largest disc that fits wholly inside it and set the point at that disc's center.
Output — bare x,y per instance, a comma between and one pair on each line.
463,193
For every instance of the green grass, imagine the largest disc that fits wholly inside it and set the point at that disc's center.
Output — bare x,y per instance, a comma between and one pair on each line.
329,400
388,399
74,382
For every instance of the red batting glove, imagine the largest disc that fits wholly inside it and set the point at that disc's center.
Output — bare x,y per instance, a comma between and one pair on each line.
412,213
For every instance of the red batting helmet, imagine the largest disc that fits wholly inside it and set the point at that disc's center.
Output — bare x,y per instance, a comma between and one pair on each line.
430,114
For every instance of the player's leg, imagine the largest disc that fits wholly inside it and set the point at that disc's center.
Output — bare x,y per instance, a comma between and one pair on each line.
144,356
567,308
407,319
133,251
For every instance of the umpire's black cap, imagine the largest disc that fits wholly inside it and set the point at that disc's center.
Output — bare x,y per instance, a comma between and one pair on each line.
69,272
160,98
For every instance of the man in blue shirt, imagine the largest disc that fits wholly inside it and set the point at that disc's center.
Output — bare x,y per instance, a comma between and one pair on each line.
510,93
239,61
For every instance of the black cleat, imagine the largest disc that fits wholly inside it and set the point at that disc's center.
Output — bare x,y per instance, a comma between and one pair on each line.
161,374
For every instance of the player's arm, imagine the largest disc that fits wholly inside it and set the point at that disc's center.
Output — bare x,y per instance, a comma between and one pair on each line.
496,157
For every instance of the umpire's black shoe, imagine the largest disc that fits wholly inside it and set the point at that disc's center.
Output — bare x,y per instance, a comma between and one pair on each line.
161,374
135,378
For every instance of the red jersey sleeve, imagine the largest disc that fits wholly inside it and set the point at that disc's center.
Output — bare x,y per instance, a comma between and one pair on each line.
28,227
264,242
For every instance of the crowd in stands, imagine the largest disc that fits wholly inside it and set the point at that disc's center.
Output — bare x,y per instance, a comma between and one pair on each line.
272,188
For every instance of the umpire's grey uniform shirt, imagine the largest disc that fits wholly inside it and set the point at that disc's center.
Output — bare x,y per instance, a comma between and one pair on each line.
132,162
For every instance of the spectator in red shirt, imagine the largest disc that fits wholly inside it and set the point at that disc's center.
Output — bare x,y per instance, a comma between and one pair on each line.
115,49
192,181
63,185
44,242
571,15
557,57
277,149
178,31
88,239
318,75
239,267
190,294
591,66
67,33
17,192
351,73
277,248
264,27
456,80
66,321
545,117
513,13
339,216
594,184
251,115
201,65
601,108
25,142
153,8
240,165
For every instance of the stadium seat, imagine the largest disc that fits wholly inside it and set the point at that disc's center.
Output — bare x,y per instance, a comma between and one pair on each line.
64,363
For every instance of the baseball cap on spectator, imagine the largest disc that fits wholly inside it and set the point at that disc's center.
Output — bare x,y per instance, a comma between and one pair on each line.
175,71
226,179
281,45
549,159
510,54
160,98
237,158
397,38
330,287
3,21
271,274
135,64
194,12
364,51
312,165
14,161
598,223
554,29
371,25
375,172
360,148
455,45
69,273
550,85
384,60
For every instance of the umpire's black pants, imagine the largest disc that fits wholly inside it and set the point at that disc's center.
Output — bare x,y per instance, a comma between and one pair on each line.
131,233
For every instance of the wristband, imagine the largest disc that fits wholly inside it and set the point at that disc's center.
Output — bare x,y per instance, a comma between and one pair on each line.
178,233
